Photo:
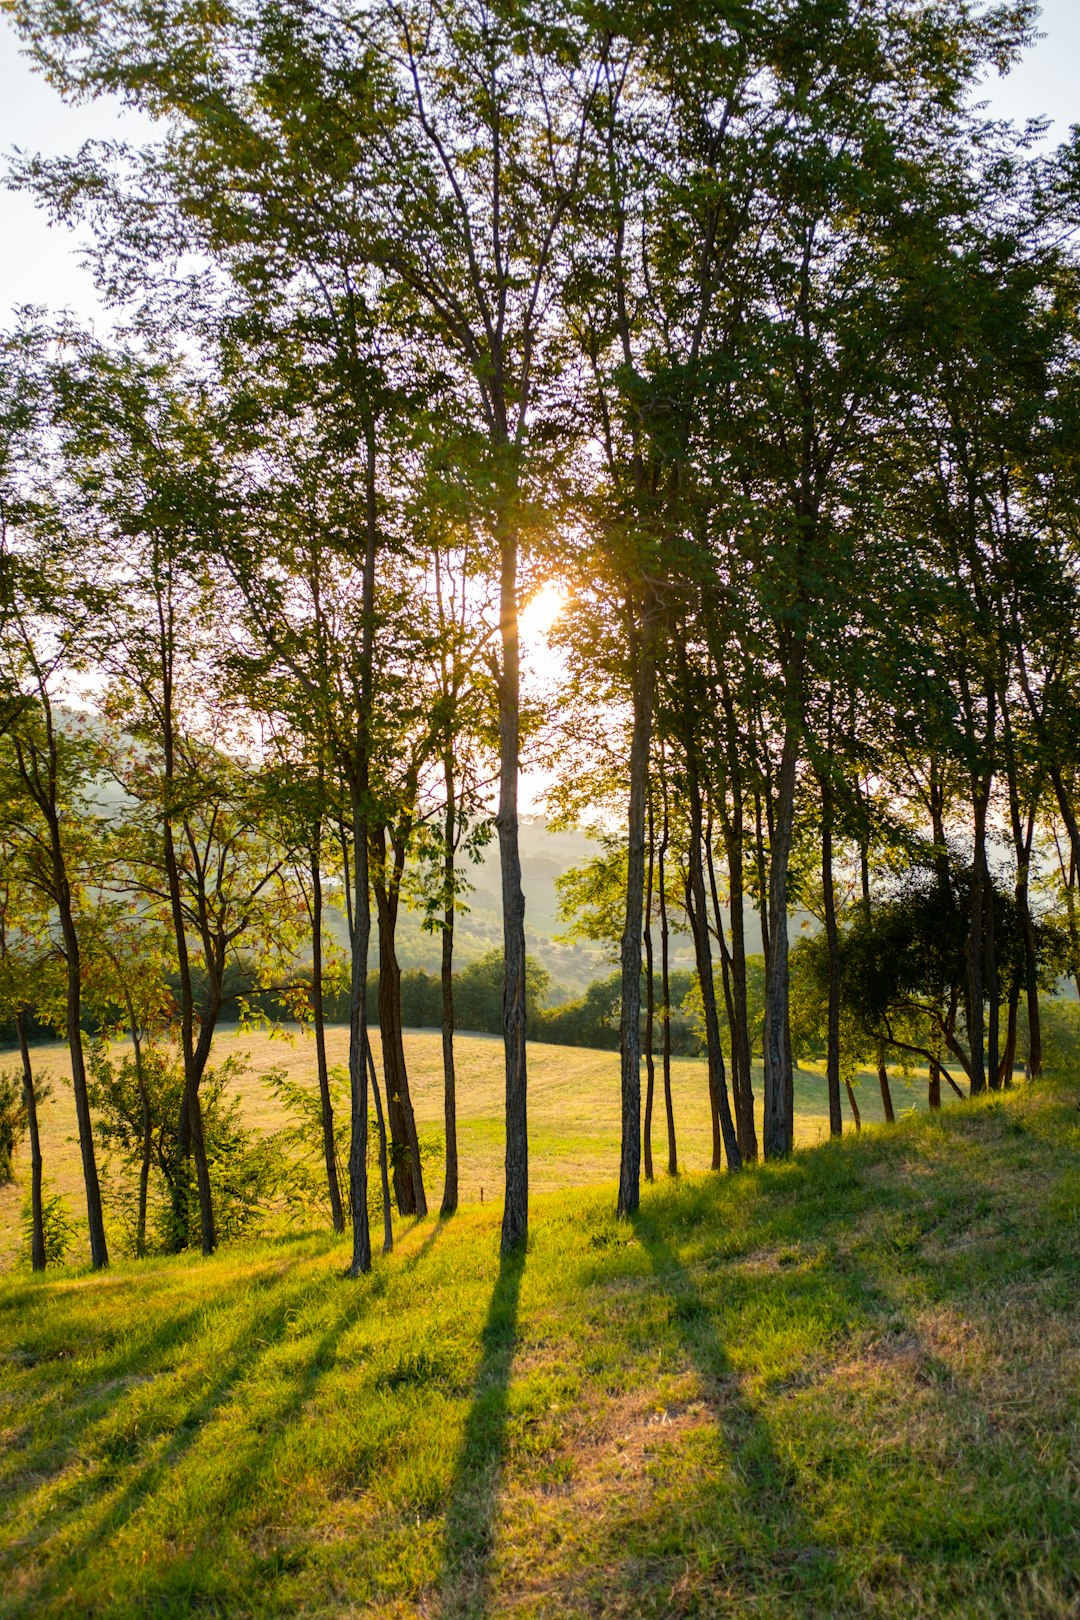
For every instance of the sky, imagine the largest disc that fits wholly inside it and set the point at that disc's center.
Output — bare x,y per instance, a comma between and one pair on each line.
39,263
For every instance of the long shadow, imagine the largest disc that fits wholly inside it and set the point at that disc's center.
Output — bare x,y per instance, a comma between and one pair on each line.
96,1397
253,1340
253,1463
469,1543
775,1544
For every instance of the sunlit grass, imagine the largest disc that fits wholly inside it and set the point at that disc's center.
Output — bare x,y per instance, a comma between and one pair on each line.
845,1385
573,1112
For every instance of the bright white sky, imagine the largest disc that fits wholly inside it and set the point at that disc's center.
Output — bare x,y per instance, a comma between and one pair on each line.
39,264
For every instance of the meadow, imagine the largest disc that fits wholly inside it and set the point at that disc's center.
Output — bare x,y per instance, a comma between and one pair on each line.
573,1112
847,1384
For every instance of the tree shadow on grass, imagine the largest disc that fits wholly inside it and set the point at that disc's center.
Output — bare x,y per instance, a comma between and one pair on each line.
85,1523
768,1543
469,1544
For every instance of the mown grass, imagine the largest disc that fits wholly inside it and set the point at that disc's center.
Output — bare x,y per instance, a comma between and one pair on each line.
844,1385
573,1113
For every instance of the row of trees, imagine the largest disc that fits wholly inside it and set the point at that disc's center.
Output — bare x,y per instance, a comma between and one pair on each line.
745,323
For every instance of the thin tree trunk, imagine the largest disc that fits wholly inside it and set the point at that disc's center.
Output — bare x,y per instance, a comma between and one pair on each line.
407,1167
779,1111
359,1047
976,952
832,940
642,650
393,1045
384,1170
360,936
723,1124
1008,1061
740,1034
450,1185
742,1092
37,1227
856,1116
762,880
146,1147
1022,841
934,1092
665,993
886,1093
99,1253
732,825
190,1141
515,1221
650,1004
981,974
318,1018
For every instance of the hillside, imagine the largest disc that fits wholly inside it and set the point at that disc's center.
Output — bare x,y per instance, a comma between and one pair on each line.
574,1125
545,856
847,1385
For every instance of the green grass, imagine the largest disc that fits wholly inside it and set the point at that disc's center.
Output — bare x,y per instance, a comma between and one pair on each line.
844,1385
573,1113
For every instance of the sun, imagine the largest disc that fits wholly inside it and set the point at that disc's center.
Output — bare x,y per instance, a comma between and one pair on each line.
537,617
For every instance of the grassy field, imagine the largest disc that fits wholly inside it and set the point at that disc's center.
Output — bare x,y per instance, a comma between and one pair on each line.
573,1112
846,1385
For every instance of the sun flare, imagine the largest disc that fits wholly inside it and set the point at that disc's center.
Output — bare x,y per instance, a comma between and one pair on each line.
540,612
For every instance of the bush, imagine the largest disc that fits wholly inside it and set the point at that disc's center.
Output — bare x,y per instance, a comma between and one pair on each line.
12,1121
57,1225
250,1175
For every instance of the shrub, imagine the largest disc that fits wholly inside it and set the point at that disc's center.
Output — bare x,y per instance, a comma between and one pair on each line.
12,1121
57,1225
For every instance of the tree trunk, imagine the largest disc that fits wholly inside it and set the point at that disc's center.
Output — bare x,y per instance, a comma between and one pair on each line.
407,1168
976,950
1008,1060
740,1034
384,1158
1022,842
37,1227
832,940
147,1144
326,1106
99,1254
360,942
732,825
665,994
934,1093
642,650
515,1221
779,1126
853,1105
762,880
189,1129
886,1093
740,1083
981,965
393,1053
723,1124
450,1185
650,1005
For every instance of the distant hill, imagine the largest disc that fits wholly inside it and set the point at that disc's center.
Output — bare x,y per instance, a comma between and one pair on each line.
545,856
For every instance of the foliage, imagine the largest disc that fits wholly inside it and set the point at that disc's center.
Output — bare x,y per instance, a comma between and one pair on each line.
478,993
12,1120
252,1174
58,1226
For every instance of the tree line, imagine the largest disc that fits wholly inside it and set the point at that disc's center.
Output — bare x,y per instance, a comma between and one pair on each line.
749,326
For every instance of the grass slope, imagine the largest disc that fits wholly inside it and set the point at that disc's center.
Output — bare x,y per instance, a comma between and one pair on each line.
573,1113
844,1385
